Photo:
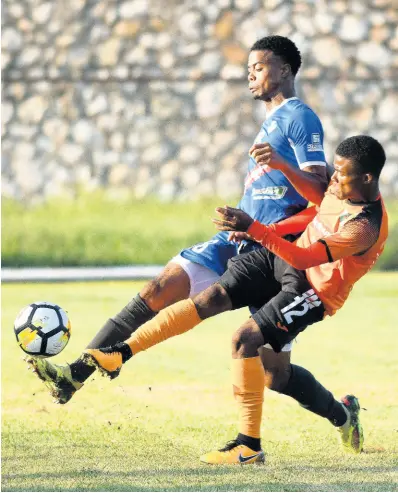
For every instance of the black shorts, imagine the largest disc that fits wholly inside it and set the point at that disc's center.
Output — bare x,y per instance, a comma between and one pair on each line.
285,301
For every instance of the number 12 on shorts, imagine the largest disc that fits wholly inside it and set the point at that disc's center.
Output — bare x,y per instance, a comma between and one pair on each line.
308,301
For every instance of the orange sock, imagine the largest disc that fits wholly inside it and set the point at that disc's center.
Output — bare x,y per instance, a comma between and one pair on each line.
172,321
248,380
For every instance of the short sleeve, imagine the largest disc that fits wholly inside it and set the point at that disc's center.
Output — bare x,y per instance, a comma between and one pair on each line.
306,139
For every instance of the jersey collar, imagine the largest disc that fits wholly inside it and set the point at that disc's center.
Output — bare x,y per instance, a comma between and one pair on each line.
267,115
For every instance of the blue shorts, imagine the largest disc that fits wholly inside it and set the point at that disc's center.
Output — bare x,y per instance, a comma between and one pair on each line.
215,253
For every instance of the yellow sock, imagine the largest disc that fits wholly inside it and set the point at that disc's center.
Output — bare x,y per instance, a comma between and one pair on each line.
248,380
172,321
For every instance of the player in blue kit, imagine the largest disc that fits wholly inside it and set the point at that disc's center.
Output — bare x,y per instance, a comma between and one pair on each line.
294,132
286,161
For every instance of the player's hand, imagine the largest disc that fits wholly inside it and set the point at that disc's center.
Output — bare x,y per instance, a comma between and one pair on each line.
232,219
265,155
239,236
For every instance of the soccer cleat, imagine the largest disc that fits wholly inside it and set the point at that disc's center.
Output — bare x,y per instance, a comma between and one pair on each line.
351,433
108,361
58,379
234,453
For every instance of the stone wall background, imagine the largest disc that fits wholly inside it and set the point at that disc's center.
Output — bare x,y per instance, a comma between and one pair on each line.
150,97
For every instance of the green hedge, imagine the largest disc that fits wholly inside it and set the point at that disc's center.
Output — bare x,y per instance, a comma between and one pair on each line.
94,230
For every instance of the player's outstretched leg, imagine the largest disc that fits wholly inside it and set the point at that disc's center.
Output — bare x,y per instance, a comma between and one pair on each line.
171,285
57,378
63,381
351,432
109,360
172,321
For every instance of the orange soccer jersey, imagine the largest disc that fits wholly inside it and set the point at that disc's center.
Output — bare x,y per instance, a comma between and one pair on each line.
354,236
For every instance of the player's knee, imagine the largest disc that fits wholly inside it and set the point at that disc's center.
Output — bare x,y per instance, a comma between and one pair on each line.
212,301
170,286
246,341
152,295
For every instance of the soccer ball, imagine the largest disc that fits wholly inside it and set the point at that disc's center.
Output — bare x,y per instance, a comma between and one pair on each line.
42,329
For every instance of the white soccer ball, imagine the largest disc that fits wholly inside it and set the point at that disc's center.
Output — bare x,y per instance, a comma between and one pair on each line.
42,329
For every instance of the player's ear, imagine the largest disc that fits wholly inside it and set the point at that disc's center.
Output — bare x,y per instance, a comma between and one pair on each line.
286,70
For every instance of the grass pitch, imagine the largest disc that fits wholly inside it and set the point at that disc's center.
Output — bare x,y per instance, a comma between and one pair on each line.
146,430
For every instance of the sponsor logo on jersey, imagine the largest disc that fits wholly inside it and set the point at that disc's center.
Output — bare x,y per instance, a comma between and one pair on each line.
316,144
301,305
274,193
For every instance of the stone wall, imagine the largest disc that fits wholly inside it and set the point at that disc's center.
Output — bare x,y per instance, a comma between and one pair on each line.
150,97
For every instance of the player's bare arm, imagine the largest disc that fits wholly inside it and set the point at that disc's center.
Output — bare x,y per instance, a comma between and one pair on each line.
311,182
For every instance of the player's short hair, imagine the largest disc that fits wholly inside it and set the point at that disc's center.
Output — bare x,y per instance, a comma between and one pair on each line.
282,47
366,153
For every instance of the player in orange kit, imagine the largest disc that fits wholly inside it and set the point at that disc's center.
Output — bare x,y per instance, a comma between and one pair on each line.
293,285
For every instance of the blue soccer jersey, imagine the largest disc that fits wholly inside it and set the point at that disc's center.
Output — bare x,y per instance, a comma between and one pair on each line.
295,132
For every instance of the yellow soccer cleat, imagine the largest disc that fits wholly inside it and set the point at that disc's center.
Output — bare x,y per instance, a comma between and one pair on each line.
234,453
108,361
58,379
351,433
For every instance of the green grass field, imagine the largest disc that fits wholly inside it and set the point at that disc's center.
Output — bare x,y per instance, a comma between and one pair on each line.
146,430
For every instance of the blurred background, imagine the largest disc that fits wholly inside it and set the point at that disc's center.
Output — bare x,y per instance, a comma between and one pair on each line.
117,113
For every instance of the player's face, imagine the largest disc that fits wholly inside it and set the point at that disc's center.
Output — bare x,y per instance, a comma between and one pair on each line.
264,74
346,182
